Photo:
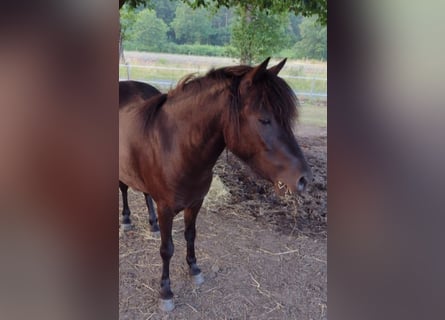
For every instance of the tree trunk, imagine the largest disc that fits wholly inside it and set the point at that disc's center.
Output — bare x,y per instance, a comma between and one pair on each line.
246,49
121,46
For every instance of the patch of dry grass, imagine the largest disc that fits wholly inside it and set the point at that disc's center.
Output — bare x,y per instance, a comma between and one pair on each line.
217,195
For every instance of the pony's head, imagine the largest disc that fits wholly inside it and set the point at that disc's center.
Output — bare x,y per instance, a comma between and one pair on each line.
260,125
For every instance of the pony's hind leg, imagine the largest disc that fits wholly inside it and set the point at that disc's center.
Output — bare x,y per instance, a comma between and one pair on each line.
152,219
167,248
126,221
190,215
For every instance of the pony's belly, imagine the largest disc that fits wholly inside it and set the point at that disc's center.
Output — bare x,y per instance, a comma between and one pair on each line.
132,182
128,172
129,177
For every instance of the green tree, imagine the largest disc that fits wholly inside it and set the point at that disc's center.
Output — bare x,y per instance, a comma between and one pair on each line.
165,9
256,34
133,3
313,43
221,26
127,19
303,7
149,33
191,26
295,21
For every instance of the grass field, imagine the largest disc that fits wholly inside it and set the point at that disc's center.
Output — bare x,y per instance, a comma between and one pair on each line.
308,68
173,74
314,115
165,70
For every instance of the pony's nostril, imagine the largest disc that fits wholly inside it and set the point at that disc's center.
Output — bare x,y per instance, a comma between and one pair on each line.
301,184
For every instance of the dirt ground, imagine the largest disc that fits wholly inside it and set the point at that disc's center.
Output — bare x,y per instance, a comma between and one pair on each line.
262,257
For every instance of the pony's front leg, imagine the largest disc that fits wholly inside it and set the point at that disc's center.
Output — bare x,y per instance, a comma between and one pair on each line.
190,215
165,222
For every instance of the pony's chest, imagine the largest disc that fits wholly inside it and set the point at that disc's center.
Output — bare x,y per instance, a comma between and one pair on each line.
190,190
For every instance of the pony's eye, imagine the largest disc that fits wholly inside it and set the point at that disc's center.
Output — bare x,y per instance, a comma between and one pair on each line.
264,121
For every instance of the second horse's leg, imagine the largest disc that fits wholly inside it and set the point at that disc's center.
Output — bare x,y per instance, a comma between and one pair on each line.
190,215
152,219
126,221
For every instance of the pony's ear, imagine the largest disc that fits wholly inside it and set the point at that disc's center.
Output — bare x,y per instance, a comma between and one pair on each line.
254,74
276,69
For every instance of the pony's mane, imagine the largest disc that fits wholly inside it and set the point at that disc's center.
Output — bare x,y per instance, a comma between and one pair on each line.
274,94
195,82
151,108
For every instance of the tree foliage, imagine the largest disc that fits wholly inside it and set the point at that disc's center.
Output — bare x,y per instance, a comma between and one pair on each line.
256,34
221,26
127,19
303,7
149,32
133,3
165,9
252,33
294,27
313,43
192,25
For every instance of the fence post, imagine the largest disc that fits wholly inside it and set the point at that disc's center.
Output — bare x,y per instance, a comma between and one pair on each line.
128,70
312,88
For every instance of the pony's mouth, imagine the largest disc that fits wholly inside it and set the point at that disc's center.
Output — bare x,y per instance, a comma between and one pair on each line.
282,189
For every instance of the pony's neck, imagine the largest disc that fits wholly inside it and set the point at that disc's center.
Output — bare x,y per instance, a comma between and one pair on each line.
201,121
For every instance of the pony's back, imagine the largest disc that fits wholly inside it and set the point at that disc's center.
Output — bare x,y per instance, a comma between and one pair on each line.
132,91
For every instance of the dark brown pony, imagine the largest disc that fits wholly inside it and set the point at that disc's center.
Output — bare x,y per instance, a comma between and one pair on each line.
168,145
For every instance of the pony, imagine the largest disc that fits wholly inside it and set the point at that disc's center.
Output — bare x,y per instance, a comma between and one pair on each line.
169,144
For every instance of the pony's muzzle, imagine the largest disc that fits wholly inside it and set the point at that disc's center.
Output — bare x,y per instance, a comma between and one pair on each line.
303,181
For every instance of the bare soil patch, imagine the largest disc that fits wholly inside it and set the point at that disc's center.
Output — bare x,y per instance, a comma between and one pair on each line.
263,257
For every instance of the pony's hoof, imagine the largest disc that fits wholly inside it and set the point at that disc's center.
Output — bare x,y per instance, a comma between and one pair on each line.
156,234
166,305
127,226
198,279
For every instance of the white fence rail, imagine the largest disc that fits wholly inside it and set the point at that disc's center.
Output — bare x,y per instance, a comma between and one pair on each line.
314,88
